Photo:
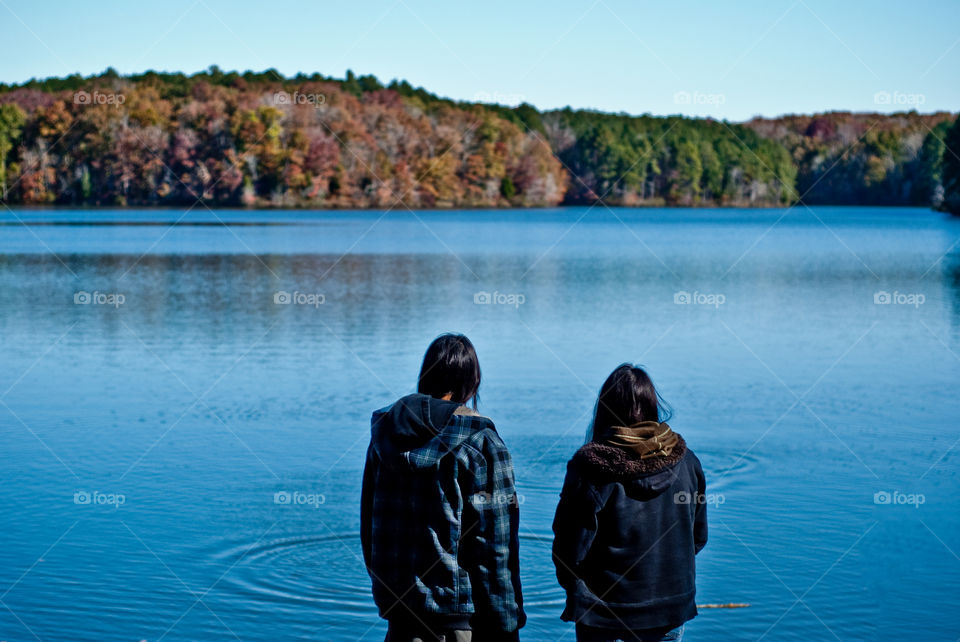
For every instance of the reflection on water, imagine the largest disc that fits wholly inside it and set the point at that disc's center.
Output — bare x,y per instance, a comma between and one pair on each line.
200,398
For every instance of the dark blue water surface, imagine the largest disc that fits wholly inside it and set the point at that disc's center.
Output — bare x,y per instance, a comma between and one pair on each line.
147,433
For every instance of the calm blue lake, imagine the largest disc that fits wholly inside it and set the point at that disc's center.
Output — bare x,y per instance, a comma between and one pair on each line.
185,402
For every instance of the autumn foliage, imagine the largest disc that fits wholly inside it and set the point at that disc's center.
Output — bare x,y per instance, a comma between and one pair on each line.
157,140
262,140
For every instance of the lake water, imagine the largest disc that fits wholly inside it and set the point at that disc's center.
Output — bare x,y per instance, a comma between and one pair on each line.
155,399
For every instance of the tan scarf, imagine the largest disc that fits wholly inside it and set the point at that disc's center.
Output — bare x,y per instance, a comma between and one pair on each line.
645,439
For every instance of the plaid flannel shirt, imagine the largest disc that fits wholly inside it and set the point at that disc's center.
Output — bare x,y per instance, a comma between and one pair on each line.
439,529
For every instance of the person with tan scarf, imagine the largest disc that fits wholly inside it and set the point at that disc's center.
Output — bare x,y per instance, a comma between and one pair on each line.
631,518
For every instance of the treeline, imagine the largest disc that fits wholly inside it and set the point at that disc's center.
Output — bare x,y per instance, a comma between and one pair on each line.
259,139
844,158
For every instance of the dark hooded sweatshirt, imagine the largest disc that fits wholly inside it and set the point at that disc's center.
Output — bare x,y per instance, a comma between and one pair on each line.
439,519
626,532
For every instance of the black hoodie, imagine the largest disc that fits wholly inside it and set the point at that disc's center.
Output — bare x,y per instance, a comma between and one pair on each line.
626,533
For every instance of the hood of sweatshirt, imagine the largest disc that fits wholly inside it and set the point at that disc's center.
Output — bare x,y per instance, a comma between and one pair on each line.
411,431
648,477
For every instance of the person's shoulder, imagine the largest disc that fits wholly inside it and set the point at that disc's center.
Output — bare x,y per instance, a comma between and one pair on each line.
380,413
471,420
467,411
479,430
691,460
377,417
579,480
689,454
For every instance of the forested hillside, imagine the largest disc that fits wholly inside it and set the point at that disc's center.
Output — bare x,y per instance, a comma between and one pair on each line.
845,159
668,160
258,139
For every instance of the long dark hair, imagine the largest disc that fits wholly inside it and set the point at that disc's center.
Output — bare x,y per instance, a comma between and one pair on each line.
627,397
450,366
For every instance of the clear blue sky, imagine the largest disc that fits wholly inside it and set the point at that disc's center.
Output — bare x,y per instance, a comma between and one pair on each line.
730,59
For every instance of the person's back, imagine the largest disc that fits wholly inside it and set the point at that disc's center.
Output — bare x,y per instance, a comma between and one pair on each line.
439,516
630,521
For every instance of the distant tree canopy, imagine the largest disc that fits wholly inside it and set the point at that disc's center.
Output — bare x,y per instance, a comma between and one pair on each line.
676,161
863,159
951,169
260,139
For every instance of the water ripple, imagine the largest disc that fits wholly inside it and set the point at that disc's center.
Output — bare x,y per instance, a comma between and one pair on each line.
320,570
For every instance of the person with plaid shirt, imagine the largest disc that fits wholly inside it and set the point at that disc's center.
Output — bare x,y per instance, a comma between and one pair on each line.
439,511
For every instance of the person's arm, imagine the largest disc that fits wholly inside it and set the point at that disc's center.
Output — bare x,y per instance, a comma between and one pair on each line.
700,516
574,528
366,506
491,541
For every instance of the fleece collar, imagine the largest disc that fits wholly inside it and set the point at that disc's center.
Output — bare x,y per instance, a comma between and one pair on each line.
610,463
